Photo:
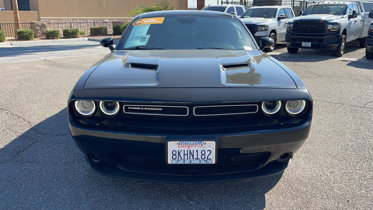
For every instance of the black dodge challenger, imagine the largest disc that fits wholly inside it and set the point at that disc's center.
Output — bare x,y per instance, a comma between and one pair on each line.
188,96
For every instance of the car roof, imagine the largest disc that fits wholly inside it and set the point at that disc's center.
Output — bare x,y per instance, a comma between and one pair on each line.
166,13
271,7
335,2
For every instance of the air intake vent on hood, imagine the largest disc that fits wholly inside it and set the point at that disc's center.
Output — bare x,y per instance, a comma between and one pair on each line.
235,65
144,66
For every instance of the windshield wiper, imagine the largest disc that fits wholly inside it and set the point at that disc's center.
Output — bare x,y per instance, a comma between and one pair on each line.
212,48
143,48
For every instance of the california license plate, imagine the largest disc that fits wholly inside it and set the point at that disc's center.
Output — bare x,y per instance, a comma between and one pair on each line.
306,44
191,152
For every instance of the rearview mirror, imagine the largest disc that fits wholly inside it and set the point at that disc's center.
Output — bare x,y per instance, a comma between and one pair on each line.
266,42
107,42
371,14
281,17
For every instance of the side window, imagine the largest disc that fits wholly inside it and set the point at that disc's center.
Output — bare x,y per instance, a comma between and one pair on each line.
356,9
240,11
281,12
350,9
230,10
289,13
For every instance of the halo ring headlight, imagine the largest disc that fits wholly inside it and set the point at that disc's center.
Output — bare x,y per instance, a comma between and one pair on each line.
85,107
271,107
294,107
109,108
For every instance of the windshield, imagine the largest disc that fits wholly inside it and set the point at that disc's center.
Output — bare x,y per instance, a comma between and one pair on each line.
332,9
186,32
219,9
261,13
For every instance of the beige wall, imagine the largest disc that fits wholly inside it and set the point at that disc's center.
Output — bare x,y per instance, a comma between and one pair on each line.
25,16
2,4
97,8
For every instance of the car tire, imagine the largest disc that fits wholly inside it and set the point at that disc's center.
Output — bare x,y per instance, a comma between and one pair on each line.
293,50
363,42
369,55
273,47
341,47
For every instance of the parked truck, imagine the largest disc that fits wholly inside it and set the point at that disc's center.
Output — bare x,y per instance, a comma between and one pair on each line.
268,21
329,25
369,49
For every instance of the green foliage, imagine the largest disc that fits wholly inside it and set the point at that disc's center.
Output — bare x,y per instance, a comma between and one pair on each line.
82,33
71,33
2,36
25,34
52,34
164,5
98,31
117,30
123,27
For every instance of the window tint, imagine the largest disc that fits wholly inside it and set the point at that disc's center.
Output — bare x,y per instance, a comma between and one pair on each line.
218,9
188,32
289,13
230,10
240,11
261,12
281,12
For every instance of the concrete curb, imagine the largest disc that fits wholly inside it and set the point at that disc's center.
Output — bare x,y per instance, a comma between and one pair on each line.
46,42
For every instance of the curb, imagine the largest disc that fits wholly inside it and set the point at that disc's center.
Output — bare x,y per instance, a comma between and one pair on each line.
45,42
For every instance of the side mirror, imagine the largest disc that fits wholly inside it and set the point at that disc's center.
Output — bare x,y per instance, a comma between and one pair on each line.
107,42
354,15
300,13
371,14
266,42
281,17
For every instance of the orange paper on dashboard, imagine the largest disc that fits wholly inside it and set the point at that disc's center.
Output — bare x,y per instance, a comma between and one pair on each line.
148,21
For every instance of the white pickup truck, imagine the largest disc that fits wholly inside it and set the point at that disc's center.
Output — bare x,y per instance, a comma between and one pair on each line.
329,25
268,21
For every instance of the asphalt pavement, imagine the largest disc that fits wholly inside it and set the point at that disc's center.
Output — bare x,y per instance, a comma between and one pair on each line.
42,168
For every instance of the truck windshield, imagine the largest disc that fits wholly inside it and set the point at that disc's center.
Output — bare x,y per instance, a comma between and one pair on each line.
261,13
218,9
332,9
186,32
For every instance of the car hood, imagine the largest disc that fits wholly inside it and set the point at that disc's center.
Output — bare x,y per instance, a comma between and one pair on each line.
257,21
188,68
326,17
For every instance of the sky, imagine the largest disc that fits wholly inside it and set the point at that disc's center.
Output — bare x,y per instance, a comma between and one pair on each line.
193,3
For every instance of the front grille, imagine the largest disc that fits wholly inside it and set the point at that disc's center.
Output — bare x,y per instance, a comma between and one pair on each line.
252,28
309,27
219,110
156,110
228,161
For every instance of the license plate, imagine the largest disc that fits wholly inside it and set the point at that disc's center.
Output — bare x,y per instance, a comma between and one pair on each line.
306,44
191,152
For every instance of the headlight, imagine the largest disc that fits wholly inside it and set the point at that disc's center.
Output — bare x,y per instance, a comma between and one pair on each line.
294,107
271,107
371,28
289,26
261,28
334,27
109,107
85,108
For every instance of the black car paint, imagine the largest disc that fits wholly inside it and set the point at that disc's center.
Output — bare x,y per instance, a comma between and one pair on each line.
232,77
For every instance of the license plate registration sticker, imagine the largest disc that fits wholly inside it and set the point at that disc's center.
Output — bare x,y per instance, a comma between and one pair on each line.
306,44
191,152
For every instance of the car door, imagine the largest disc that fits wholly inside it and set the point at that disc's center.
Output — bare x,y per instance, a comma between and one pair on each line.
281,23
358,22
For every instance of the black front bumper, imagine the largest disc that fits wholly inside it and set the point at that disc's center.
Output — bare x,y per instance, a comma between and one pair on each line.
143,156
326,41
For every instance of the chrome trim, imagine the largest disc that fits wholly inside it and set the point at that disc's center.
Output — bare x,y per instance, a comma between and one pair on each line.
299,111
266,111
239,113
103,110
138,113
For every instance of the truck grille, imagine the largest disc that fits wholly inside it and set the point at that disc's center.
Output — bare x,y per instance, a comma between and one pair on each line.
309,27
252,28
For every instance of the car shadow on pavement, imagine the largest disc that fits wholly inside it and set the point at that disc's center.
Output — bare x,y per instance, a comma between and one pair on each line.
43,168
362,63
16,51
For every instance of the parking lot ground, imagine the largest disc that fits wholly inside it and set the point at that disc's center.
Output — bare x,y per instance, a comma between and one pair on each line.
41,167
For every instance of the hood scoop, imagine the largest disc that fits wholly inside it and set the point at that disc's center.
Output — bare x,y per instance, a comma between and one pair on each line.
235,65
144,66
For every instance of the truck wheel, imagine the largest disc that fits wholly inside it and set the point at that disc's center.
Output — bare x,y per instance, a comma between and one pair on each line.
369,55
273,47
292,50
341,47
363,42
